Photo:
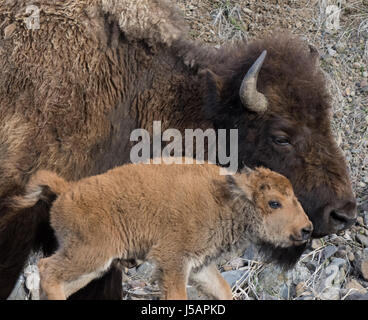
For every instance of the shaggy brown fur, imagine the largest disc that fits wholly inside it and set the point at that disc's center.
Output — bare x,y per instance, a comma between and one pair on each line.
72,92
180,217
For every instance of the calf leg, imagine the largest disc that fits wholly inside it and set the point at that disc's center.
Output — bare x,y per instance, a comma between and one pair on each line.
173,279
210,282
61,275
108,287
173,286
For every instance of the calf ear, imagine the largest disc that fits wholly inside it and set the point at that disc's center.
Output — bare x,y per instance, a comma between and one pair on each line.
214,81
243,193
234,188
246,170
214,84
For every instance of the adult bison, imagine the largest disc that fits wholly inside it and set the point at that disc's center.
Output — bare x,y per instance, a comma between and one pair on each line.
72,91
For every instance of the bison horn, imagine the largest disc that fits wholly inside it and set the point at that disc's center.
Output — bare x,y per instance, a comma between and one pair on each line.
250,97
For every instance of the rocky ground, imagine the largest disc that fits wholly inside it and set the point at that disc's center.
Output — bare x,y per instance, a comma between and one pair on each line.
335,267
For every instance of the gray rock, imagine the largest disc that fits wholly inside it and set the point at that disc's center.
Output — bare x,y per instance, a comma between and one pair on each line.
351,256
285,292
331,52
363,269
311,265
328,277
282,284
272,280
364,89
357,296
316,243
132,271
362,240
266,296
32,281
365,218
364,205
341,254
146,270
19,291
330,294
305,297
327,58
360,220
250,252
365,254
236,263
356,286
356,65
299,274
233,276
329,251
339,262
364,284
340,47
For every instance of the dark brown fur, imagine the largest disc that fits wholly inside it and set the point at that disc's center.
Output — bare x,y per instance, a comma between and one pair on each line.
72,92
180,217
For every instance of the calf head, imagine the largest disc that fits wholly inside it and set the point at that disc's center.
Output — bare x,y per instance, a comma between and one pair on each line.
276,219
280,219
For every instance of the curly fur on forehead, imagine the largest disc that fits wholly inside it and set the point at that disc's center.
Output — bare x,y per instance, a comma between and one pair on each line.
264,177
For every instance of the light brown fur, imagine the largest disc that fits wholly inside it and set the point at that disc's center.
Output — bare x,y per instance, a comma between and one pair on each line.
180,217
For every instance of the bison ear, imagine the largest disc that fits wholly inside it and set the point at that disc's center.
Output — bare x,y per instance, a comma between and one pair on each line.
214,82
214,92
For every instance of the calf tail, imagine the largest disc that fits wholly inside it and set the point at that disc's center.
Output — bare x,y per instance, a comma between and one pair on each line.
25,226
45,186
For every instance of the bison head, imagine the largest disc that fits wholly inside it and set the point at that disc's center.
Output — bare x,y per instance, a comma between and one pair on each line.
275,94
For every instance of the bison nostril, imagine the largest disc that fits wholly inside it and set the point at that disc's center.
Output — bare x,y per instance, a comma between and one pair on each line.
342,219
338,217
306,233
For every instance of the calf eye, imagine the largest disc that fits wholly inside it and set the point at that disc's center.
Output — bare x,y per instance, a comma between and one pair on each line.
281,141
274,204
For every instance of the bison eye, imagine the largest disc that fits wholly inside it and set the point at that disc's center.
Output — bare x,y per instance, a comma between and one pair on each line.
282,141
274,204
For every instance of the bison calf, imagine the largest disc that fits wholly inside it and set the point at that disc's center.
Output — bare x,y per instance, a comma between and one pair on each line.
180,217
